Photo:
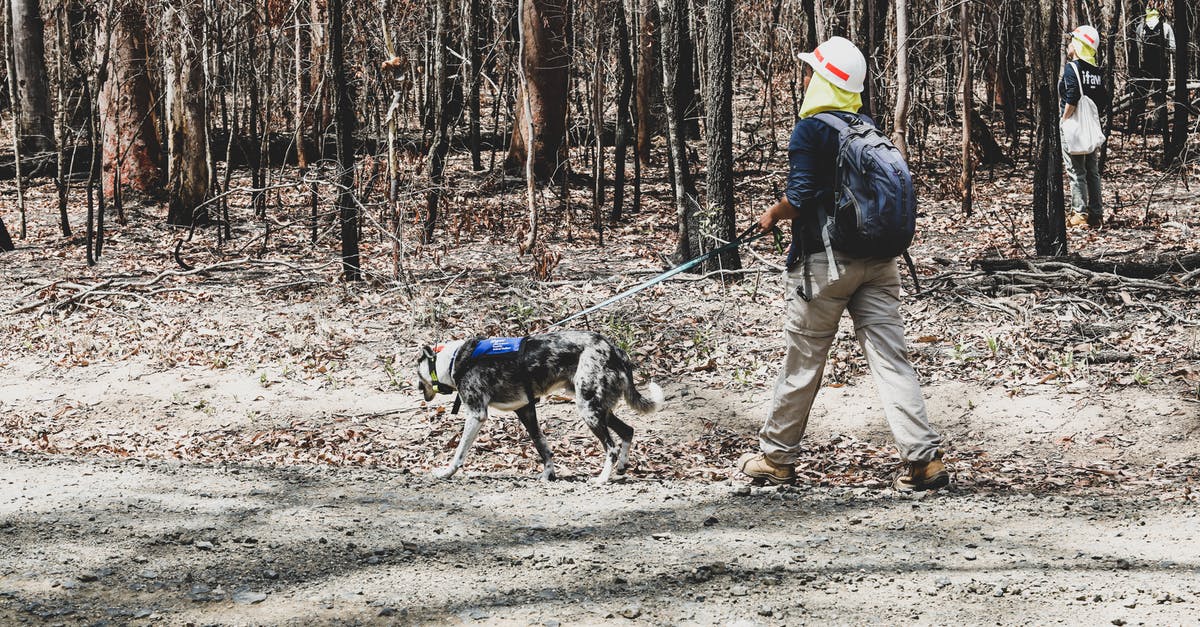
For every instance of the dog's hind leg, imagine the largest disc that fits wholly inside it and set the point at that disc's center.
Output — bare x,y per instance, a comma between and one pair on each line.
470,432
596,417
625,432
528,416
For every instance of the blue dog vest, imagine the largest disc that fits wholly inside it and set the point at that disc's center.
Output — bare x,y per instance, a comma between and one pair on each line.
496,346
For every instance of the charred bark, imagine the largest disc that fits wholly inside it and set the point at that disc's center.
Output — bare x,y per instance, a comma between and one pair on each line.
6,243
649,81
35,121
441,112
1049,209
719,108
347,208
673,22
1179,126
187,125
624,96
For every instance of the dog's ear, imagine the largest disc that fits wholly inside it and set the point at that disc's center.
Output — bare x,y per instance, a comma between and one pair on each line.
426,353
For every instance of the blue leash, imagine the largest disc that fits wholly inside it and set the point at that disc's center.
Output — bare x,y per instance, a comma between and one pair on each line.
746,237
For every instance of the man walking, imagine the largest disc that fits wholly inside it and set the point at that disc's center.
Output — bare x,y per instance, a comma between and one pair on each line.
869,287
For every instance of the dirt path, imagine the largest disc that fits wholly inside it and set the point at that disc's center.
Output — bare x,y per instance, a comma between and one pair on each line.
89,542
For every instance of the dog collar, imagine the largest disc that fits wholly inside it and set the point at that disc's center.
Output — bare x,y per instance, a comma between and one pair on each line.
442,388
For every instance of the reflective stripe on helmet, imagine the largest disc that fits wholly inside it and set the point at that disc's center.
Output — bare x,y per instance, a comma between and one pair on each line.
831,67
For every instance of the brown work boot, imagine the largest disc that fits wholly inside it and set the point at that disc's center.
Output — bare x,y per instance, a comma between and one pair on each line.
758,467
918,476
1077,220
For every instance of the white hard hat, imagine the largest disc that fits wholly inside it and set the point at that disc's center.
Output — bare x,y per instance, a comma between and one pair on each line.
840,62
1087,35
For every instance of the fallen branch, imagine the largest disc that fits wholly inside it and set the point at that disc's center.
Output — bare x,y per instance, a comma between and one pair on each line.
114,287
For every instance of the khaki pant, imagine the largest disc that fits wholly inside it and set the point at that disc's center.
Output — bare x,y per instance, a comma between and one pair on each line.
870,289
1084,173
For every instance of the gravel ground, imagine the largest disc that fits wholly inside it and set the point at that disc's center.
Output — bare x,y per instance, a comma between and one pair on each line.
92,542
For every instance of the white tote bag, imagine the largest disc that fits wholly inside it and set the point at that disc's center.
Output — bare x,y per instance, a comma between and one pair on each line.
1082,133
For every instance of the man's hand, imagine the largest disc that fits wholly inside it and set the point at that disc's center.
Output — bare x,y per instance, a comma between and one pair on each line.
782,210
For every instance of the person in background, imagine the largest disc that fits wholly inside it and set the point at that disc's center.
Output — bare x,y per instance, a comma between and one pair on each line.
1082,76
1152,45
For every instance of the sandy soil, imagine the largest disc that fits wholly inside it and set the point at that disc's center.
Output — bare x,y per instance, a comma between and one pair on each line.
103,543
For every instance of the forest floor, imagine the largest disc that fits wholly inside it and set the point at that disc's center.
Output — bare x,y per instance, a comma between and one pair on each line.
243,443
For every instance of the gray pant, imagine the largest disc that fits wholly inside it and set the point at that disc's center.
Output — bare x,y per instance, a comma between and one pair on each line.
870,289
1084,172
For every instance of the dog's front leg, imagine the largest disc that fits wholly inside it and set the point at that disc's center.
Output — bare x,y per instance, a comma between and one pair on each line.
528,416
470,432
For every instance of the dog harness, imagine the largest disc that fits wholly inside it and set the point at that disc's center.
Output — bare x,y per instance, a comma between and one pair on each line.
490,348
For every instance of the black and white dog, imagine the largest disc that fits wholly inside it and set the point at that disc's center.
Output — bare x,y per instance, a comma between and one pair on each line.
510,374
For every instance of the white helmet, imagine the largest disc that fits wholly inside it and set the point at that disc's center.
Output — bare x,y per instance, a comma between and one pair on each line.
1088,35
840,62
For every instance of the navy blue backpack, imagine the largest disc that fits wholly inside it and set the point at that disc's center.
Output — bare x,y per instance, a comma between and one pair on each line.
875,206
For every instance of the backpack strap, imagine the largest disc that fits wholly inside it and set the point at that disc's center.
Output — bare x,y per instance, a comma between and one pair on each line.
826,239
833,120
841,126
1078,77
912,270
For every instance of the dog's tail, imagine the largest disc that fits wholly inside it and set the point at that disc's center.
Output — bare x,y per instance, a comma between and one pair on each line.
639,403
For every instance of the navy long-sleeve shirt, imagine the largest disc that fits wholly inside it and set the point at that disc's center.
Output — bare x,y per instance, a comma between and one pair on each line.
1093,86
812,166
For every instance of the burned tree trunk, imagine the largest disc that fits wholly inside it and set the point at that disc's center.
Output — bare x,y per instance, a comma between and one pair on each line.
187,117
131,150
719,107
1179,126
472,27
968,192
649,80
35,123
546,61
1049,211
624,96
673,15
347,208
441,112
6,243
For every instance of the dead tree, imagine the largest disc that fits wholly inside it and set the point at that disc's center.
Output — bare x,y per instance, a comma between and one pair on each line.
347,207
187,124
624,96
673,27
900,120
6,243
472,23
719,215
546,59
598,119
35,122
131,150
967,105
1176,152
649,80
441,112
1043,30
